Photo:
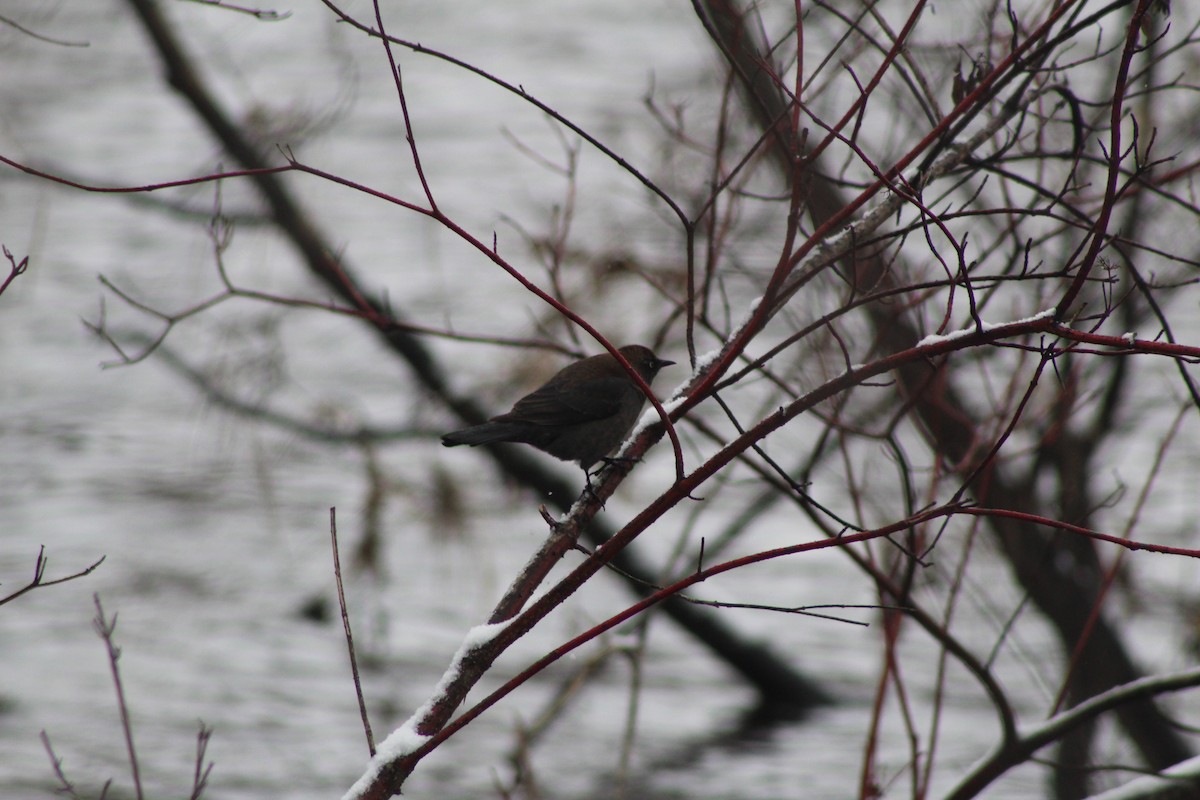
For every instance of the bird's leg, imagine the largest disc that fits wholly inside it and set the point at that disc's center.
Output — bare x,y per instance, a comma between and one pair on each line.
588,488
608,461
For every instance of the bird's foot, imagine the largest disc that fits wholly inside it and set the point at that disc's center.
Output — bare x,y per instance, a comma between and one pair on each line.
589,490
610,460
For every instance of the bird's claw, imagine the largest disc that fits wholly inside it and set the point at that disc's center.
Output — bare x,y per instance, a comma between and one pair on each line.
610,460
589,490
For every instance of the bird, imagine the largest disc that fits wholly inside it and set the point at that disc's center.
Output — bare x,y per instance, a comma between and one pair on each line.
581,414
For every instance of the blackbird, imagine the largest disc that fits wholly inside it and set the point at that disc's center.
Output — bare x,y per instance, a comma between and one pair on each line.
581,414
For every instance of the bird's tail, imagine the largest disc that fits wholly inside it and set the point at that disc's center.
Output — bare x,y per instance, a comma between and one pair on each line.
482,434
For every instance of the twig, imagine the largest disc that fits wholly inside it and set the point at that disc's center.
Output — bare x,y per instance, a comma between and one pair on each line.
259,14
15,268
200,778
105,629
39,572
65,786
39,36
337,574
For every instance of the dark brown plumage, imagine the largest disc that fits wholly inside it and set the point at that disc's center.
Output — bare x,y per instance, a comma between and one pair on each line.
581,414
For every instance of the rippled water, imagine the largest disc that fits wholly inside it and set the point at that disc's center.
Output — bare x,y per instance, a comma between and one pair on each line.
214,530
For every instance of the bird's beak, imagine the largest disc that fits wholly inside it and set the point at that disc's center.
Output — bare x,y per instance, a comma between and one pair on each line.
662,362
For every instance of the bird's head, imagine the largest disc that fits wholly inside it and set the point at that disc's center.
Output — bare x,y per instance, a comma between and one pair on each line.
644,361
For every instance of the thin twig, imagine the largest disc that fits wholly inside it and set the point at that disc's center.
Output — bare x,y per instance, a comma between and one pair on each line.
15,268
264,15
337,574
39,572
39,36
105,629
200,777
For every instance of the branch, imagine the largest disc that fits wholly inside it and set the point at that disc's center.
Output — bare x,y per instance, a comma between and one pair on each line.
1017,752
15,268
473,663
39,573
399,754
105,628
337,574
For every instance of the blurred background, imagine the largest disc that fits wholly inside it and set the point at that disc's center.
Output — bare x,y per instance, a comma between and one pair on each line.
214,524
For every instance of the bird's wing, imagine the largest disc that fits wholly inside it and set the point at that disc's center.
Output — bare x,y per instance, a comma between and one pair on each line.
555,404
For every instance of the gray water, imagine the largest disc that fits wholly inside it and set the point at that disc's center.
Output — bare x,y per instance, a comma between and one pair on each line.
214,530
